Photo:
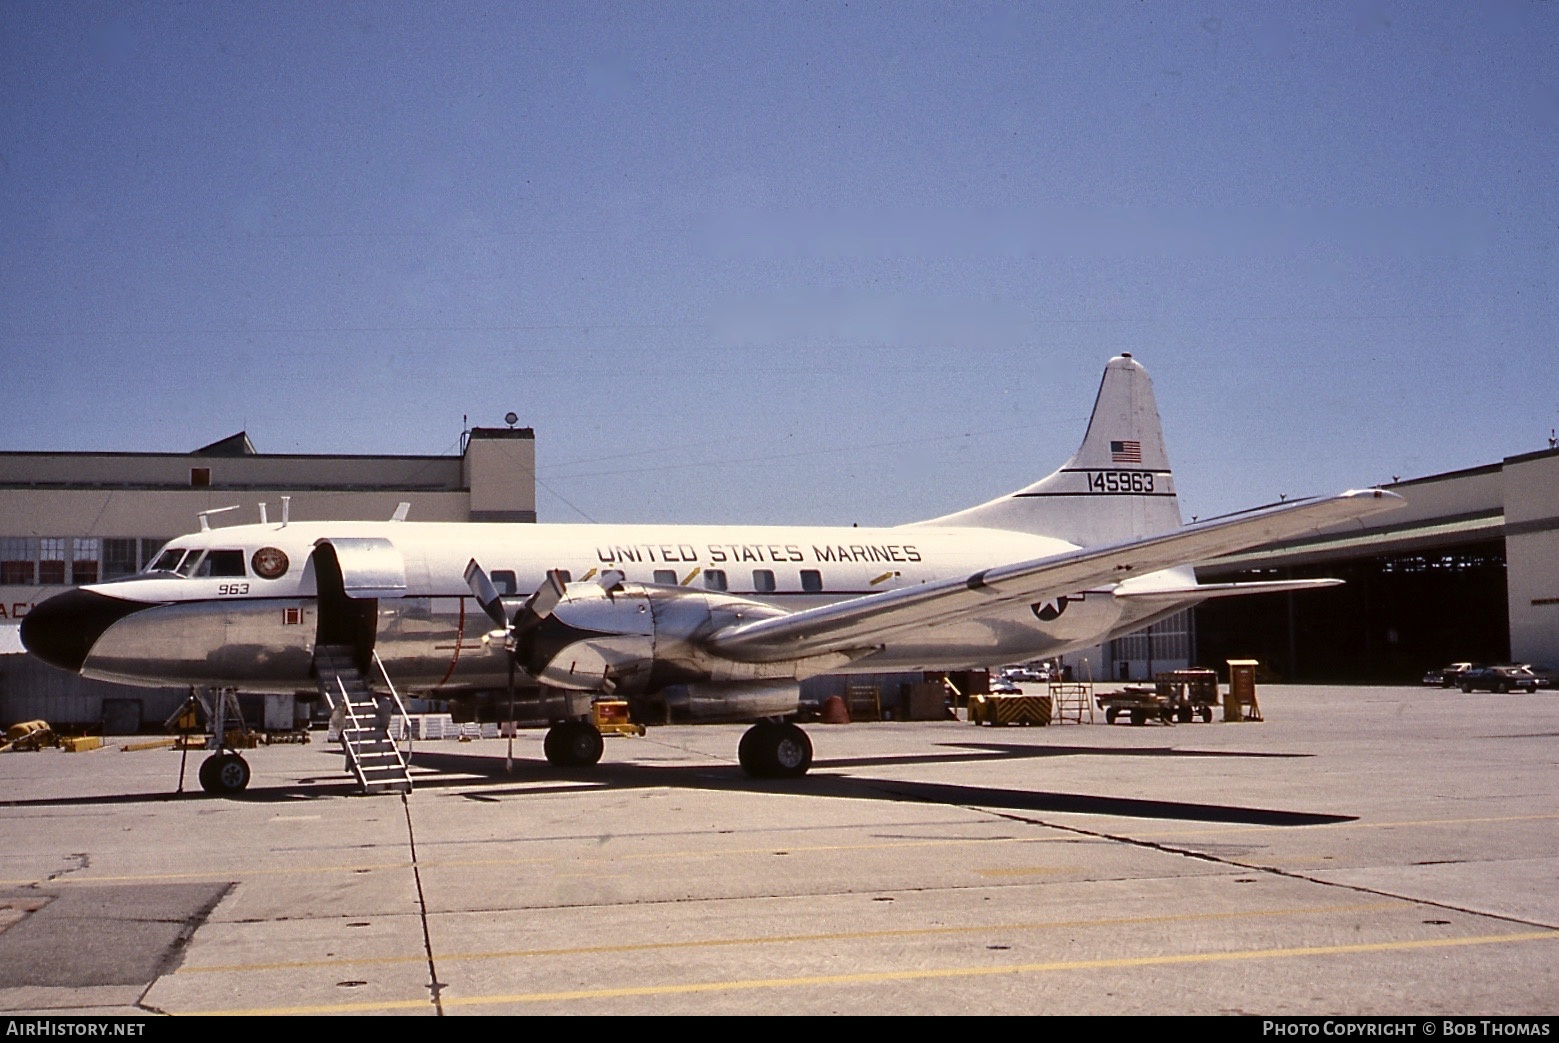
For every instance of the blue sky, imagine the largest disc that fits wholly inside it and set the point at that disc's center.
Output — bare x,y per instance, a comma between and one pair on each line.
785,262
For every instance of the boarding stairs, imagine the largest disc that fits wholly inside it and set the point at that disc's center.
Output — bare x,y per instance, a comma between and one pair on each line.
371,754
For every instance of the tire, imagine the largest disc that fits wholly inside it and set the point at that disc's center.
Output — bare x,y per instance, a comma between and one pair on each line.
1206,714
1466,688
224,774
774,751
1502,688
573,744
1110,715
1139,717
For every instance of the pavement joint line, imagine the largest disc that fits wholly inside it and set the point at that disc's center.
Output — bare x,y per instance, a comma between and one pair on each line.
922,974
1289,874
829,936
435,987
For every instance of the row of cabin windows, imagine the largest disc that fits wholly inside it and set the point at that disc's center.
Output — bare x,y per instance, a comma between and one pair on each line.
30,561
763,581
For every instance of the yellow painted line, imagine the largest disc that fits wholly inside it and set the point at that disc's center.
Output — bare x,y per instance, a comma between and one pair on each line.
1021,871
923,974
831,936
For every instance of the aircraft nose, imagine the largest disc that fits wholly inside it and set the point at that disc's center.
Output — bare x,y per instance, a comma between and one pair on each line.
63,629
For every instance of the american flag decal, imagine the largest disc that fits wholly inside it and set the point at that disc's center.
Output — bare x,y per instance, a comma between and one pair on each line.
1125,452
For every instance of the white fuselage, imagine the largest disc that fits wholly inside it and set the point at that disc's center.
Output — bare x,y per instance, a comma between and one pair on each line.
259,633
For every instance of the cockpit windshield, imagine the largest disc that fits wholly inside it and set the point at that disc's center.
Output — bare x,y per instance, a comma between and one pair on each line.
198,563
167,561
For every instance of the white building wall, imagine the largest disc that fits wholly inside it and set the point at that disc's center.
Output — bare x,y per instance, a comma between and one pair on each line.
1532,557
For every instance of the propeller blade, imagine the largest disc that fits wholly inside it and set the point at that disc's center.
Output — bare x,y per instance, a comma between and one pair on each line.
547,596
486,594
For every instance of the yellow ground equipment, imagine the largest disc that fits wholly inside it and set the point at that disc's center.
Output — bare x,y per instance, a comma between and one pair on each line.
611,718
1010,709
29,735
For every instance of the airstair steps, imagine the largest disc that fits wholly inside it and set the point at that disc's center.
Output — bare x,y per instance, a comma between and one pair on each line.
365,735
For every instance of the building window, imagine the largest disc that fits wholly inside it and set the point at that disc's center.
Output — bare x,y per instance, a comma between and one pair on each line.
763,580
119,558
714,579
17,567
85,554
666,577
51,560
199,477
811,581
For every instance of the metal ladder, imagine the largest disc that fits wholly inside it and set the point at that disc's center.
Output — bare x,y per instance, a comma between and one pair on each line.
365,735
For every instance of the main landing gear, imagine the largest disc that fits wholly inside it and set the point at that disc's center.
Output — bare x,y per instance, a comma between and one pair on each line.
573,744
224,774
775,750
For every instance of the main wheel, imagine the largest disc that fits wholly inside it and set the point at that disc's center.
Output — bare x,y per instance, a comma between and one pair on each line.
224,773
775,751
573,744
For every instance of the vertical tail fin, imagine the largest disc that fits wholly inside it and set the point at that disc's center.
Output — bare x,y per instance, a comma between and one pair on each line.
1117,485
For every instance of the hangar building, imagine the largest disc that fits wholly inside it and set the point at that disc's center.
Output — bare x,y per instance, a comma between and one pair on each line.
1467,570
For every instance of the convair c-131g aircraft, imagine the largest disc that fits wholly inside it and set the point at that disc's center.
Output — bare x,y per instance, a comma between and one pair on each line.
687,623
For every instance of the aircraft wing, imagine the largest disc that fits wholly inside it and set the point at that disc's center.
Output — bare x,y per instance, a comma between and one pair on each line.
864,622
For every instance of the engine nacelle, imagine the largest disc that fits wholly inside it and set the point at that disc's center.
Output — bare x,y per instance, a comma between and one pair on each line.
630,639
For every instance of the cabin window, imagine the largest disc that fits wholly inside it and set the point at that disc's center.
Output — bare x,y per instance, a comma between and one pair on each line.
811,581
16,561
223,563
666,577
714,579
763,580
505,581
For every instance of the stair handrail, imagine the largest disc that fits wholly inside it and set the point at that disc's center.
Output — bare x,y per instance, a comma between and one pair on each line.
400,706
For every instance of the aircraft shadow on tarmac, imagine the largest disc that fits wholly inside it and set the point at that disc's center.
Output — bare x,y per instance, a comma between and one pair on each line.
464,770
487,774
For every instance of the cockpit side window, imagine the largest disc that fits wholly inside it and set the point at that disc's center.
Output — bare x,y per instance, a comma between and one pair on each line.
222,563
187,566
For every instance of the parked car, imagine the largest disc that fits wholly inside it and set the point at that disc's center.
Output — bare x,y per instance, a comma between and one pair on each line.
1545,675
1002,686
1498,679
1447,676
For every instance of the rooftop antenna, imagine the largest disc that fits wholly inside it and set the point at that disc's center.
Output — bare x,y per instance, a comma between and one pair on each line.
204,516
263,519
286,507
465,432
1553,438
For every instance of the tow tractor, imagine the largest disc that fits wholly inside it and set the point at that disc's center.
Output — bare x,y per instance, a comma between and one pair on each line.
1177,695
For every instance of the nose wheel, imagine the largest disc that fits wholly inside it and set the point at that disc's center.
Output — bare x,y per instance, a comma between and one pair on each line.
771,750
224,774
